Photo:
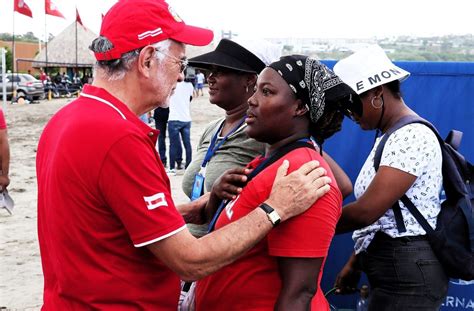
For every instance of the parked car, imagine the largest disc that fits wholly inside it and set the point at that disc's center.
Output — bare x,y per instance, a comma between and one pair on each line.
26,86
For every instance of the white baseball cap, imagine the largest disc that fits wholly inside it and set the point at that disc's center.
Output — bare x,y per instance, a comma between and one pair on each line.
368,68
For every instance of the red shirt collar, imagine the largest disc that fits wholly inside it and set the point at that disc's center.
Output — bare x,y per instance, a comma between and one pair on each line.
102,95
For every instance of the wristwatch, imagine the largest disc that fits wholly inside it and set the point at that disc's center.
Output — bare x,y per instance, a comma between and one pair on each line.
271,214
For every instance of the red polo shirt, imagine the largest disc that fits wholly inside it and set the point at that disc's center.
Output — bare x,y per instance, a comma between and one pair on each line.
102,195
253,282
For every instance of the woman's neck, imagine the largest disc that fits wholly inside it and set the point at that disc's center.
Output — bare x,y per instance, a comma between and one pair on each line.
395,113
285,141
233,117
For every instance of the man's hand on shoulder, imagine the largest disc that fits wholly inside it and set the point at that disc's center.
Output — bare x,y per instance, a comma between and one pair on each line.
294,193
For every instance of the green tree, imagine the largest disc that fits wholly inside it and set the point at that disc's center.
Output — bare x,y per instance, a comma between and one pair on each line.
29,36
4,36
8,59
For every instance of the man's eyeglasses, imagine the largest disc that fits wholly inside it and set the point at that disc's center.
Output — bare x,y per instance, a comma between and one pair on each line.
183,63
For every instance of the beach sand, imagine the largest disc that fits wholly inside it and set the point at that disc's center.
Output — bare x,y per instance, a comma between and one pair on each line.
21,279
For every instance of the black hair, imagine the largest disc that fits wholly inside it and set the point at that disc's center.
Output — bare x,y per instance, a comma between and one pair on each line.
328,124
394,87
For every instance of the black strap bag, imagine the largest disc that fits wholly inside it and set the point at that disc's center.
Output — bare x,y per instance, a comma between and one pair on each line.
453,239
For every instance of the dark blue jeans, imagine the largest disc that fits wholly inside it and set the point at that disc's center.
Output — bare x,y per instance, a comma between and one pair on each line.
178,131
404,274
161,126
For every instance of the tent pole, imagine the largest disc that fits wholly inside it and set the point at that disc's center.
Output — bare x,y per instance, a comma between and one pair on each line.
45,44
76,44
13,53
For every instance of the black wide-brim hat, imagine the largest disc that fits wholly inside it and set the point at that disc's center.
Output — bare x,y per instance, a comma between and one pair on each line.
230,55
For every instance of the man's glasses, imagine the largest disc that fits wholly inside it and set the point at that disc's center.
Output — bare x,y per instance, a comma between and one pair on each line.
183,63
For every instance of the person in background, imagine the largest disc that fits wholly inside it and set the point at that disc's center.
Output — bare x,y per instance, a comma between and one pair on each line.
110,235
161,115
43,77
4,153
144,117
200,80
57,78
296,98
403,271
179,125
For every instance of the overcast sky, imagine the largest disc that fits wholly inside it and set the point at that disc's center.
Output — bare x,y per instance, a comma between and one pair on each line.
275,18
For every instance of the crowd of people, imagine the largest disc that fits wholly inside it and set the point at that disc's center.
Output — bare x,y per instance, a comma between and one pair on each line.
265,200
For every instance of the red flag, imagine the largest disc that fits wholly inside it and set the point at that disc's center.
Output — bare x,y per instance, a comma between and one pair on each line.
51,9
78,18
21,7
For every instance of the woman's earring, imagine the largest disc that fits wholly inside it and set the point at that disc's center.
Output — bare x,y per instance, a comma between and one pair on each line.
247,89
375,106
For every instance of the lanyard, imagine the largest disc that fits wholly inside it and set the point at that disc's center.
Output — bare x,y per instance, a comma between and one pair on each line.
213,147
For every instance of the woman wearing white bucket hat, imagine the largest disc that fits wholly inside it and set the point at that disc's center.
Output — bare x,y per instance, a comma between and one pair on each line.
402,269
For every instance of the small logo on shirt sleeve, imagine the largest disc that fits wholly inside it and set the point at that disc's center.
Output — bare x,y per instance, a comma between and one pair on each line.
155,201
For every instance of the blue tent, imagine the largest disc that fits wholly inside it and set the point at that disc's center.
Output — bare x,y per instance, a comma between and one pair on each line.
441,92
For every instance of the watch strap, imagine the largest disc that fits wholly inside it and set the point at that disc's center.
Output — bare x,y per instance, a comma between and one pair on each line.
271,214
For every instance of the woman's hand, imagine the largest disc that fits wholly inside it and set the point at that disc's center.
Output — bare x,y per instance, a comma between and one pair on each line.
230,184
348,278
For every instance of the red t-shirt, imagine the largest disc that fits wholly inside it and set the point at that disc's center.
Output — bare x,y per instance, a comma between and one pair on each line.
3,124
253,282
102,194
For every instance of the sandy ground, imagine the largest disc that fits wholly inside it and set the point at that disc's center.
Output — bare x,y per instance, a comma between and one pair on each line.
21,279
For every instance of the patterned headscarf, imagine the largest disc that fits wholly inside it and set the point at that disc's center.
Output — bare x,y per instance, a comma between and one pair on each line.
309,80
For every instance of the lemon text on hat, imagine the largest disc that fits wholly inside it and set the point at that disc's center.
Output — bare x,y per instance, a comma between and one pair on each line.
378,78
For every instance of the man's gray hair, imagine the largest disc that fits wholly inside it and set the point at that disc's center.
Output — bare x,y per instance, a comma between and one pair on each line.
117,68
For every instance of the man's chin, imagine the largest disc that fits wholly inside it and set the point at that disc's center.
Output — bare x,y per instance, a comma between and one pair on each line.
164,104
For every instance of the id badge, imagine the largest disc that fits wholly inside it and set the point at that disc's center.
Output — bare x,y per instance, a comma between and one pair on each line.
198,187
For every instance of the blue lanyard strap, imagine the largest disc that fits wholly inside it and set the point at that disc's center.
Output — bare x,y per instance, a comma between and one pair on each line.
213,147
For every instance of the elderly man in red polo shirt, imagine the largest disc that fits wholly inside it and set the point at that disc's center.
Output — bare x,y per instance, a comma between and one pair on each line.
110,235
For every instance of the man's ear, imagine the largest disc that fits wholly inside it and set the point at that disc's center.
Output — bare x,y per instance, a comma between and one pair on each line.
301,108
146,56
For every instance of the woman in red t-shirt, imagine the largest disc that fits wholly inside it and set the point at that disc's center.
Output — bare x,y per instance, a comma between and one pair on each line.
295,98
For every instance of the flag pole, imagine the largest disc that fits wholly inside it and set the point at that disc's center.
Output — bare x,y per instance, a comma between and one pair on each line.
13,55
45,42
76,40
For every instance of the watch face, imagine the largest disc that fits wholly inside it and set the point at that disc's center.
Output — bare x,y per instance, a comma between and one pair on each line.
274,217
